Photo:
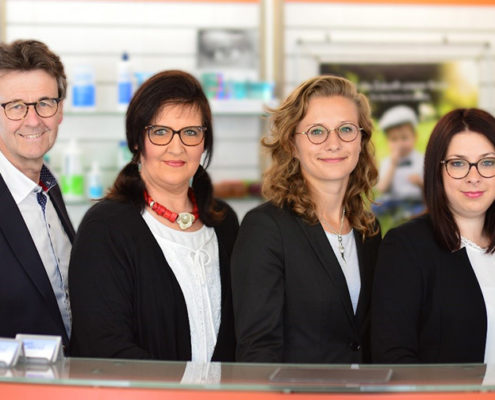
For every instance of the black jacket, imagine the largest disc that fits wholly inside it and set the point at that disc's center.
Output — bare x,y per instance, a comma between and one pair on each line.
427,305
126,301
27,302
291,301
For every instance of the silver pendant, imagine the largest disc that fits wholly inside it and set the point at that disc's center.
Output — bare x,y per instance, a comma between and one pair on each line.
341,247
185,220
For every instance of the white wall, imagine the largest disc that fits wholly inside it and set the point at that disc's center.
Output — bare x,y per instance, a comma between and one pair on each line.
389,33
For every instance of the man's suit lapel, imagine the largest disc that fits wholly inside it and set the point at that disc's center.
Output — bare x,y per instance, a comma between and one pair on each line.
19,239
318,240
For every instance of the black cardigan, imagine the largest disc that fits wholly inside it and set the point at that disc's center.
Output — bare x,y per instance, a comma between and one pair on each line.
427,305
126,301
291,300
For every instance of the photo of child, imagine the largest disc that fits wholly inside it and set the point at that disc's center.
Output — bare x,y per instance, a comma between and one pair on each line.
400,176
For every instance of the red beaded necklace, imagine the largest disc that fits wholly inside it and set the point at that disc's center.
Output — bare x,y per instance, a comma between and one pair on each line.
184,219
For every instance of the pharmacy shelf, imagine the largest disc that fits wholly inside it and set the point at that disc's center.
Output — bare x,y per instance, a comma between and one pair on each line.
239,107
218,107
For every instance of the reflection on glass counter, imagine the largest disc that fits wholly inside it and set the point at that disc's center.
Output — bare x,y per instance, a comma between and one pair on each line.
256,377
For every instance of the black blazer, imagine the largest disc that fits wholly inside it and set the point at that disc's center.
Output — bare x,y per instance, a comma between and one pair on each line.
291,302
427,304
27,301
126,301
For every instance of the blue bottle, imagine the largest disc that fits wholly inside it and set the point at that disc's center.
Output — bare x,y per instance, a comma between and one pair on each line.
83,88
124,82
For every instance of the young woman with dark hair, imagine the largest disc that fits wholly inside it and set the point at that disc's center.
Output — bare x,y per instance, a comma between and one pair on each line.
150,266
434,293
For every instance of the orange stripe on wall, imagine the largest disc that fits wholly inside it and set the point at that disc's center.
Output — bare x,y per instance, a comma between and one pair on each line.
175,1
185,1
423,2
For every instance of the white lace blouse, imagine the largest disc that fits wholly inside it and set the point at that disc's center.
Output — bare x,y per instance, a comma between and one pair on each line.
194,259
484,267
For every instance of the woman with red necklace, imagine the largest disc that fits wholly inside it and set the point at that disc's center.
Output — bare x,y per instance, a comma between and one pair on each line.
149,273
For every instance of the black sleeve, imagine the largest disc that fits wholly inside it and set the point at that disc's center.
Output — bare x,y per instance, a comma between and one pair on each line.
101,291
396,301
258,289
227,233
229,227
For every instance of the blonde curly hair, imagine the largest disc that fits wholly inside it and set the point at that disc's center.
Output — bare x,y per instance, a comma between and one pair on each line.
284,184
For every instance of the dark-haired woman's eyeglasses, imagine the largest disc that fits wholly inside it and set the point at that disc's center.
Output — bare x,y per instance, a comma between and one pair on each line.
17,109
317,134
162,135
459,168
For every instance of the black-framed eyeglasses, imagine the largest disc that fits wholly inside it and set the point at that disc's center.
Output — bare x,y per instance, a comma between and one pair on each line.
162,135
317,134
459,168
17,109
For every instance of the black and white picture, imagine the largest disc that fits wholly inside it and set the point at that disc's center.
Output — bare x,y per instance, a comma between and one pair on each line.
227,48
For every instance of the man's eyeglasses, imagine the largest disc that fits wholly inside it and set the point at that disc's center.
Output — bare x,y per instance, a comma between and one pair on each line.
317,134
163,135
17,110
459,168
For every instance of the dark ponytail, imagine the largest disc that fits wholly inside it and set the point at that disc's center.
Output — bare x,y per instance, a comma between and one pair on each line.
128,186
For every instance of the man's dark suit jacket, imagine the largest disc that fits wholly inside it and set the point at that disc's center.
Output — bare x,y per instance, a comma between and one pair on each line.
291,301
427,305
27,301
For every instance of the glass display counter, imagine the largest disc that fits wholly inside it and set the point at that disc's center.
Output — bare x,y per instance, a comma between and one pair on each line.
78,378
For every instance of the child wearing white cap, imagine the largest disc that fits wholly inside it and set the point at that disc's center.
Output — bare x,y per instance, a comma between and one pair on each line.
400,177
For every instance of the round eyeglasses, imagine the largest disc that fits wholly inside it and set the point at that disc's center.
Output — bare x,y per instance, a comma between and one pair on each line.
163,135
17,110
317,134
459,168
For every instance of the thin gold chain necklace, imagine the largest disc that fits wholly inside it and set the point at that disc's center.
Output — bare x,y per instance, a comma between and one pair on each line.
339,234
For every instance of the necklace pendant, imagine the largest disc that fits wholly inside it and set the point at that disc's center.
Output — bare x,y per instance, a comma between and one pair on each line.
341,247
185,220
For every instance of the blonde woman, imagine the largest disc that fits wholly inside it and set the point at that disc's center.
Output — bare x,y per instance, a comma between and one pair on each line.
303,262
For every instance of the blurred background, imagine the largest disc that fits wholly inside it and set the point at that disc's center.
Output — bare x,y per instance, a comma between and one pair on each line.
430,55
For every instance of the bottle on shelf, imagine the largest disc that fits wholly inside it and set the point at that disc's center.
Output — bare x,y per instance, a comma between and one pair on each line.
72,180
95,182
83,88
124,82
124,155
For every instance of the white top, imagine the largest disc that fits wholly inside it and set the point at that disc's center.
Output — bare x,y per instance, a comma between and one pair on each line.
46,230
484,267
350,267
197,373
194,260
401,188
